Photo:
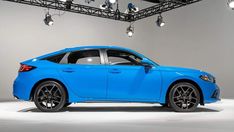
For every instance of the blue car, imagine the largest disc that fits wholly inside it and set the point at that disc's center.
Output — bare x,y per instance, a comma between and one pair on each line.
110,73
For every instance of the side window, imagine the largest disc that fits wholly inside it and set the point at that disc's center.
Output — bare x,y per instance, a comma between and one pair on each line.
116,57
55,58
88,57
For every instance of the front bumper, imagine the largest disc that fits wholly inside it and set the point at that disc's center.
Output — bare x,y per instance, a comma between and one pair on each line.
213,94
216,94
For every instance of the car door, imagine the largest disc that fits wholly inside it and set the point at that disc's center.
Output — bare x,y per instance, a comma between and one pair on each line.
85,73
128,80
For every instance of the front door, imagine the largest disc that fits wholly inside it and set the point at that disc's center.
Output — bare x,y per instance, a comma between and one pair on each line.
127,79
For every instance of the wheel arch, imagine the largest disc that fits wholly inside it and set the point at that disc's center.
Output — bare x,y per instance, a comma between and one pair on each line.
188,81
48,79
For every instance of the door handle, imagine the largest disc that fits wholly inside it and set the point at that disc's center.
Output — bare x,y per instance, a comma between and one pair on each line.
115,71
69,70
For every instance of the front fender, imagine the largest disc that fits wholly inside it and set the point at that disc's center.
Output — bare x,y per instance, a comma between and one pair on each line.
168,78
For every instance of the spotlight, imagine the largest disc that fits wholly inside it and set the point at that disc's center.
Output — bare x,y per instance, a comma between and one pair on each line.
112,1
160,21
63,0
130,31
48,19
103,6
231,4
131,8
107,6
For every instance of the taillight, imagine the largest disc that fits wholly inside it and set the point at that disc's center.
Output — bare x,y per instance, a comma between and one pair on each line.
25,68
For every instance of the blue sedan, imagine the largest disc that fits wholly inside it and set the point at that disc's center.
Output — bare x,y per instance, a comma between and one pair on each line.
110,73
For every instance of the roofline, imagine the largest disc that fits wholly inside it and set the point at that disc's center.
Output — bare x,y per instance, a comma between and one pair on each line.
104,47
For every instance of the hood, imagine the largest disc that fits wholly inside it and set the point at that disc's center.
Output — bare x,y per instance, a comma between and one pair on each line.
177,69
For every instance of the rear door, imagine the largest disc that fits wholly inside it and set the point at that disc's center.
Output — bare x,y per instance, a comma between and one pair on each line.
85,73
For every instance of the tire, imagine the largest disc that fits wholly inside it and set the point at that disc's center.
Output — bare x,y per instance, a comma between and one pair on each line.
67,104
184,97
50,96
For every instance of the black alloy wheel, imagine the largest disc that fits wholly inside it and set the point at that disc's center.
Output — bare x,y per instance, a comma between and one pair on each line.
184,97
50,96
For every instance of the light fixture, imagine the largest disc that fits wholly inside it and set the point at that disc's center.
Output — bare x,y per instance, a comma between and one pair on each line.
231,4
130,31
112,1
160,21
48,19
131,8
107,6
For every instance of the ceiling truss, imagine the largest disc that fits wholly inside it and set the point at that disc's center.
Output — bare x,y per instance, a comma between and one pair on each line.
159,7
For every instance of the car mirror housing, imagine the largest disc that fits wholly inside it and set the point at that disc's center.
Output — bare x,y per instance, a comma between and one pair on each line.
147,65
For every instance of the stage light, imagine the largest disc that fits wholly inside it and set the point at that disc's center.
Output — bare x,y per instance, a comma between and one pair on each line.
107,6
131,8
130,31
103,6
112,1
160,21
48,19
231,4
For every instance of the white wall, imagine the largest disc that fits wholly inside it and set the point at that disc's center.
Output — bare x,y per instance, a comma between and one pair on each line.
198,36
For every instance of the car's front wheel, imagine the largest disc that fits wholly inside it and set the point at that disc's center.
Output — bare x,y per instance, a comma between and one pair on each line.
49,96
184,97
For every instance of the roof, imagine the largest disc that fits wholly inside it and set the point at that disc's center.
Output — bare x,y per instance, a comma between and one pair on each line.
103,47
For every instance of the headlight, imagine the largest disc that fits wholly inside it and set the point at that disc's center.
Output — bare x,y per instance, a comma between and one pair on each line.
208,78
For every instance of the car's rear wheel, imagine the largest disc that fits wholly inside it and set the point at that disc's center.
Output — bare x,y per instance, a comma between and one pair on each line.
184,97
49,96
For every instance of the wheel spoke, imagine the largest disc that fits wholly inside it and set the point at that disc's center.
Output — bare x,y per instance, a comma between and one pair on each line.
41,100
46,103
52,89
182,90
193,98
51,106
56,101
44,94
177,96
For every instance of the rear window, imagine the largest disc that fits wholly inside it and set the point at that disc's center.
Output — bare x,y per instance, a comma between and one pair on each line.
55,58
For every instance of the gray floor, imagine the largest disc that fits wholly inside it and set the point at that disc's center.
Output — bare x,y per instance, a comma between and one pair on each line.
99,117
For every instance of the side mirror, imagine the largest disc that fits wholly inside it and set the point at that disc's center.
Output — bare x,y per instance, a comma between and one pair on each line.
147,66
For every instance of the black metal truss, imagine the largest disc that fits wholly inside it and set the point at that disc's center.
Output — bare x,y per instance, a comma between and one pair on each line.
162,6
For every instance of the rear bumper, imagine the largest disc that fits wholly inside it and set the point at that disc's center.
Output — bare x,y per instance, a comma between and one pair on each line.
22,87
